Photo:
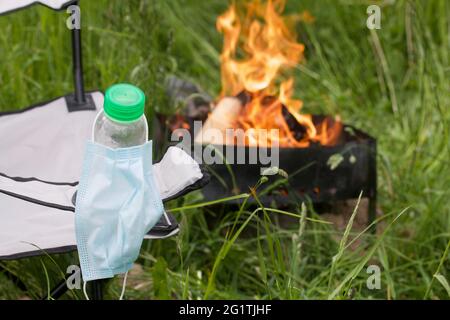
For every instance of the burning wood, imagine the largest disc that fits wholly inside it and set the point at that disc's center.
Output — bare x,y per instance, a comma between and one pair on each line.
298,130
222,117
230,112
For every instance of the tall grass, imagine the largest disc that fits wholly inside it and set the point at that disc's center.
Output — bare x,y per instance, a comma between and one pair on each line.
392,83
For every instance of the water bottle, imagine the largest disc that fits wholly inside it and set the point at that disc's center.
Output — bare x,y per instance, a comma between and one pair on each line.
122,122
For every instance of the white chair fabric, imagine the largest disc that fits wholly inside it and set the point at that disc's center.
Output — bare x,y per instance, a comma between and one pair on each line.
12,5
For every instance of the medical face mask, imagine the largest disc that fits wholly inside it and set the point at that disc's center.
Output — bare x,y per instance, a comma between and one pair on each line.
117,204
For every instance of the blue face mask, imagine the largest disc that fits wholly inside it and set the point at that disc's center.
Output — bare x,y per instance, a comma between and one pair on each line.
117,204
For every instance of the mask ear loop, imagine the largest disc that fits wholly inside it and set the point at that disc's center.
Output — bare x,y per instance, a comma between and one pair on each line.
122,294
124,284
84,290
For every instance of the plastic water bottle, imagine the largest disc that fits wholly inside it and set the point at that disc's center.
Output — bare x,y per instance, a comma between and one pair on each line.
122,122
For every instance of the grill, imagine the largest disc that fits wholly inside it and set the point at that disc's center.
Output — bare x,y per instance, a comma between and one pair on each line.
317,173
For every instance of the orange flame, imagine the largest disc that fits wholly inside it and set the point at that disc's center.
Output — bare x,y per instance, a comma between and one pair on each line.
269,48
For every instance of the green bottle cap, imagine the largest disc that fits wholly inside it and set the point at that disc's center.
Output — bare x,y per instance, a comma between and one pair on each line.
124,102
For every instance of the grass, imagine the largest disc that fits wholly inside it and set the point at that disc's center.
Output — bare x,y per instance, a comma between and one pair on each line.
393,83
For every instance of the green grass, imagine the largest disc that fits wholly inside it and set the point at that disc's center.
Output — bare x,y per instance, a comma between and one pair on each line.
393,83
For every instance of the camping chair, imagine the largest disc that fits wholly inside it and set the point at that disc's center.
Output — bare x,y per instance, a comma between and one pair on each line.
41,152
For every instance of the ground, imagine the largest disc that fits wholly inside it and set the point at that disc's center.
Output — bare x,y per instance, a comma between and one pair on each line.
392,83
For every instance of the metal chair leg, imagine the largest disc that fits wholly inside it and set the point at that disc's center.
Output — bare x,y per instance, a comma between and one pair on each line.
372,213
58,290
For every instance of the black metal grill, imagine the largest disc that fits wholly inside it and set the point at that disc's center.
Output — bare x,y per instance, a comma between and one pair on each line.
311,175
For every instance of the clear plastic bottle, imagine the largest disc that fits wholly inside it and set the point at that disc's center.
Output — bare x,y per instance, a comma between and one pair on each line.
122,122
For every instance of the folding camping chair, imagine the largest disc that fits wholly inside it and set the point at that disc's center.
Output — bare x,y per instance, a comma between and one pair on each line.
41,151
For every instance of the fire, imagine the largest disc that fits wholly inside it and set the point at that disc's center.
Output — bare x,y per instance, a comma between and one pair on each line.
258,50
